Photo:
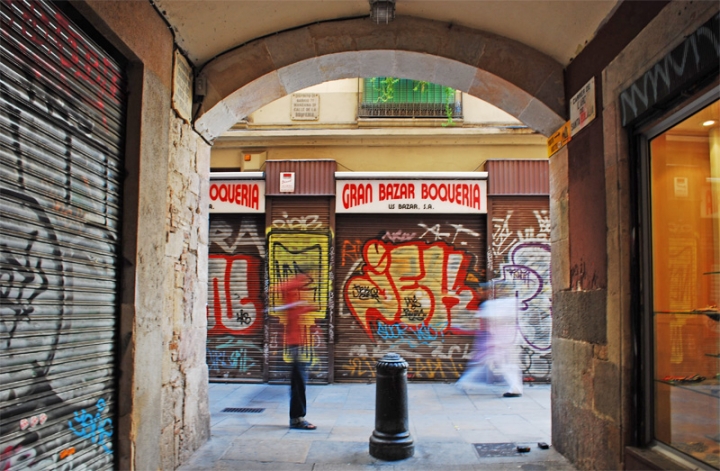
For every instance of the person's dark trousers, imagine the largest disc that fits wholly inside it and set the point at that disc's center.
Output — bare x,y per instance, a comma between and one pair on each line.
297,385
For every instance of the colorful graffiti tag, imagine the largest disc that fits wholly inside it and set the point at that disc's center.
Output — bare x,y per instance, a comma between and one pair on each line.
95,428
292,253
411,287
524,258
237,307
236,303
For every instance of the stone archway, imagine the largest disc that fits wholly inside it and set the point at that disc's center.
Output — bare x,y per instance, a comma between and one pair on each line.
512,76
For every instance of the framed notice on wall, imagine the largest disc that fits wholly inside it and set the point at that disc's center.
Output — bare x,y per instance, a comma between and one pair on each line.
305,107
182,87
582,107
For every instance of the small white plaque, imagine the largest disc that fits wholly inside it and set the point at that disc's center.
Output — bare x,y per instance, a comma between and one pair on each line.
182,91
305,107
582,107
287,182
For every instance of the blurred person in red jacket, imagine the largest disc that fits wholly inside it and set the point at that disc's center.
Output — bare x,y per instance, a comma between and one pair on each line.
294,296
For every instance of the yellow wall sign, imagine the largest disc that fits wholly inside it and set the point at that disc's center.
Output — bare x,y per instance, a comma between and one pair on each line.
559,138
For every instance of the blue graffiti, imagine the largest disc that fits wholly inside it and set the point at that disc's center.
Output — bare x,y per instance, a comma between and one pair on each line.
412,335
94,427
391,331
230,353
229,359
428,333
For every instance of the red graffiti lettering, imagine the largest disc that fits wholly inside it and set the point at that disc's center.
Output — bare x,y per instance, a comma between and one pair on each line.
71,53
421,285
350,251
237,307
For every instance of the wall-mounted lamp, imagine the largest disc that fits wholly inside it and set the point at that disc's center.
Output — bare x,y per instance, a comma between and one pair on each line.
382,11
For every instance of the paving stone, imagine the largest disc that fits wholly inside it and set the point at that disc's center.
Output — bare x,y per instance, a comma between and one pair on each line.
444,423
291,451
357,453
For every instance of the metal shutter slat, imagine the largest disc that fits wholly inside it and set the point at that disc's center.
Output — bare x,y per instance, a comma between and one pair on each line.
299,239
407,284
61,144
235,334
520,251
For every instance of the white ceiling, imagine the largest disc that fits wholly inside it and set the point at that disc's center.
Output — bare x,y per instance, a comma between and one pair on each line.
558,28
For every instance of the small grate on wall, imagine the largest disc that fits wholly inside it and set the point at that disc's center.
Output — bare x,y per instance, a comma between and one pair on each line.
244,410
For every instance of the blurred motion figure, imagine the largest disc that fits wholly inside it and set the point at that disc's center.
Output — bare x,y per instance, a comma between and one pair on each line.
495,347
294,293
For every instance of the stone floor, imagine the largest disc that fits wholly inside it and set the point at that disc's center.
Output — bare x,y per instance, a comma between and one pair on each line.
445,424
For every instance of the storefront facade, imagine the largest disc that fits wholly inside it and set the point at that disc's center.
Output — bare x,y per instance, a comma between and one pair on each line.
519,250
395,262
637,300
63,114
676,153
603,337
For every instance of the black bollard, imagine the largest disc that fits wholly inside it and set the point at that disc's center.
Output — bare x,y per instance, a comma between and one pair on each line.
391,440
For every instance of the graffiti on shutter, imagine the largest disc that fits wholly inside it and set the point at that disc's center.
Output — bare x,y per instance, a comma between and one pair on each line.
408,284
62,111
300,242
520,252
236,307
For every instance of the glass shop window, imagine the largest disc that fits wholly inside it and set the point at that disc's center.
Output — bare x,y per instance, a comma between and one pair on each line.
685,228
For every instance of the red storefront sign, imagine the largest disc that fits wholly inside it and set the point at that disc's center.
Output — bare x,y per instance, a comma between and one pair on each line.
411,196
237,196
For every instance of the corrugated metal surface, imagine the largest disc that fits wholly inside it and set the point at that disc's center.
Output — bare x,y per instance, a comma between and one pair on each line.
300,241
520,252
61,133
407,284
312,177
518,177
236,296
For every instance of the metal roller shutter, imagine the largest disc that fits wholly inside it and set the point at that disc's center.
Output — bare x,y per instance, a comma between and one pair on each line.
300,240
62,114
236,299
407,284
520,251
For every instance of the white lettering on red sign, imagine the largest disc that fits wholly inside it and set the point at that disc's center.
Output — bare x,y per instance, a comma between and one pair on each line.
241,194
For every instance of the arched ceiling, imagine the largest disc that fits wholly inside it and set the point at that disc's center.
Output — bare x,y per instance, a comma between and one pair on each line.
558,28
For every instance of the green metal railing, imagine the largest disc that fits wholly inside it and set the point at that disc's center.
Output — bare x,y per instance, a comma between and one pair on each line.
384,97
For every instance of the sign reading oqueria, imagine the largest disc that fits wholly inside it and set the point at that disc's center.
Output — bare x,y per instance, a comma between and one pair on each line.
238,196
411,196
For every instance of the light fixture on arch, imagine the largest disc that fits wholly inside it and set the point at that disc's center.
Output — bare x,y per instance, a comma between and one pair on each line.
382,11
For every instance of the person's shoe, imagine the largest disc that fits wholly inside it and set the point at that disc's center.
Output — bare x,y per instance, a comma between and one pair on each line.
301,424
509,394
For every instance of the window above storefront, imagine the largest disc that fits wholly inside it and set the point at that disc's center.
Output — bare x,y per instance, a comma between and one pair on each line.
392,97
